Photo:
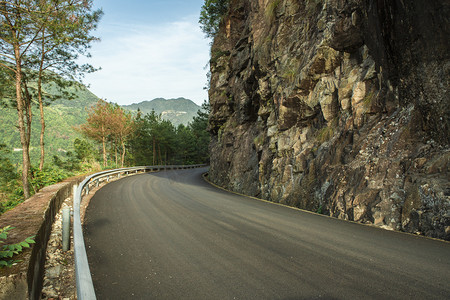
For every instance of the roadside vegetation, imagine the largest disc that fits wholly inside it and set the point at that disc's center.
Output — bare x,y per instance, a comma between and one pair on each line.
211,15
40,42
126,139
111,137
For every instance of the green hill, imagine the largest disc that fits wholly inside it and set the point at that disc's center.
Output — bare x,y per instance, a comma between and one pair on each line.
178,111
60,116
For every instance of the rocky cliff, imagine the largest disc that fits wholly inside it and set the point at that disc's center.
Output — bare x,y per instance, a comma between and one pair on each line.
338,107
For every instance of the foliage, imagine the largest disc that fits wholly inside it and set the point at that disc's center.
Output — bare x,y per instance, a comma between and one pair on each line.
157,141
11,193
61,117
148,140
109,124
84,150
97,126
8,251
48,176
211,15
38,36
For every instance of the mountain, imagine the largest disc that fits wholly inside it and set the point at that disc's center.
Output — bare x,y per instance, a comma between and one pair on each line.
178,111
60,115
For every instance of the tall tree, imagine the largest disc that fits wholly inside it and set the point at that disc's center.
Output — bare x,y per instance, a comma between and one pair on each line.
199,126
25,26
122,128
98,125
17,35
65,33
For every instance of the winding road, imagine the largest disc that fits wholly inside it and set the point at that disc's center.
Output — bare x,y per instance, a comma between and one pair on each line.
171,235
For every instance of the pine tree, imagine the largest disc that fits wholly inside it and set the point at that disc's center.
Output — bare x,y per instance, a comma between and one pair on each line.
27,28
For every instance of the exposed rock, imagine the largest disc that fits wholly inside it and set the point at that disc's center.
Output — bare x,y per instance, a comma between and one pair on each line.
340,107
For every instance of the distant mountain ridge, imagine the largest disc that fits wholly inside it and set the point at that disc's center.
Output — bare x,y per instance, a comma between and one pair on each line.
178,111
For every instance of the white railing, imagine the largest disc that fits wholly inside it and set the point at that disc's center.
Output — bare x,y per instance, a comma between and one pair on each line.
85,287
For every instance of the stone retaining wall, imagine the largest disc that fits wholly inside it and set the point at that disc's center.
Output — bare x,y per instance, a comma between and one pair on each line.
33,217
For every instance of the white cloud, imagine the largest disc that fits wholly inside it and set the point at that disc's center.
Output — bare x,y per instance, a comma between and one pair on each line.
145,62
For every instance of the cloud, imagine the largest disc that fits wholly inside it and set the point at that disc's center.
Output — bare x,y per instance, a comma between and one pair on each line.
142,62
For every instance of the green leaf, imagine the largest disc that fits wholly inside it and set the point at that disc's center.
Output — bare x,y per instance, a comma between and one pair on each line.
30,240
3,263
24,244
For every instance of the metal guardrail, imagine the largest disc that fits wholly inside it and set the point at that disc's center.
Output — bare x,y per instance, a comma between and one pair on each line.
85,287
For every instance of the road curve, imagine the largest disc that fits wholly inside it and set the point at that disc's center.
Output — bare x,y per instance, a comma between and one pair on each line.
170,235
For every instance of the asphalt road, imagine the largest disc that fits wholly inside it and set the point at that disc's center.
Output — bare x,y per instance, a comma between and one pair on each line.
170,235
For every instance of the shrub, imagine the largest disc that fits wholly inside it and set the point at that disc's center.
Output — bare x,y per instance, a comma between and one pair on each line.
8,251
211,15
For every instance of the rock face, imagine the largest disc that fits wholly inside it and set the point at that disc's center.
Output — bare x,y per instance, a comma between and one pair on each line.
339,107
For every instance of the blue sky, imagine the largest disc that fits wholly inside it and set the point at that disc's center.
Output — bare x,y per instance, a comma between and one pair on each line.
149,49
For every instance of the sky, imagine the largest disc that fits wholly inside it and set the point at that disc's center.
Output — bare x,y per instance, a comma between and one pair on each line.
149,49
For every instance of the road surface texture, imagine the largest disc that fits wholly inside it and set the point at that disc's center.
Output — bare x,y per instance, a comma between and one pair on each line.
171,235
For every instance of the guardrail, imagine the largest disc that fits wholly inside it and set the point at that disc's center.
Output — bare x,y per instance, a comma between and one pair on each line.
85,287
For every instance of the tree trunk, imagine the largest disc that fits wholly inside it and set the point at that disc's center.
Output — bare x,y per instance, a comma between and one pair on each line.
104,151
22,129
154,150
29,115
123,153
41,109
41,141
115,152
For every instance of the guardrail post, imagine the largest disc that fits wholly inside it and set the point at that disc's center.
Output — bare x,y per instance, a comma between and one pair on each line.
65,228
87,189
74,190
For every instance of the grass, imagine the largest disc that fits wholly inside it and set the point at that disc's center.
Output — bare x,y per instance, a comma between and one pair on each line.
325,134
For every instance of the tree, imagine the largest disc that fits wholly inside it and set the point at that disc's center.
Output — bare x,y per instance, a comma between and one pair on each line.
109,123
186,145
199,129
211,15
17,35
65,34
157,141
83,150
97,126
24,28
153,140
121,128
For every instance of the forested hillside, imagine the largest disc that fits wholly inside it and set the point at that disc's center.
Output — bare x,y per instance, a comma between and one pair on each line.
61,116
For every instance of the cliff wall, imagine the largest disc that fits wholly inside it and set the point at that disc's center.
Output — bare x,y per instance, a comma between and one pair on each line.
339,107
